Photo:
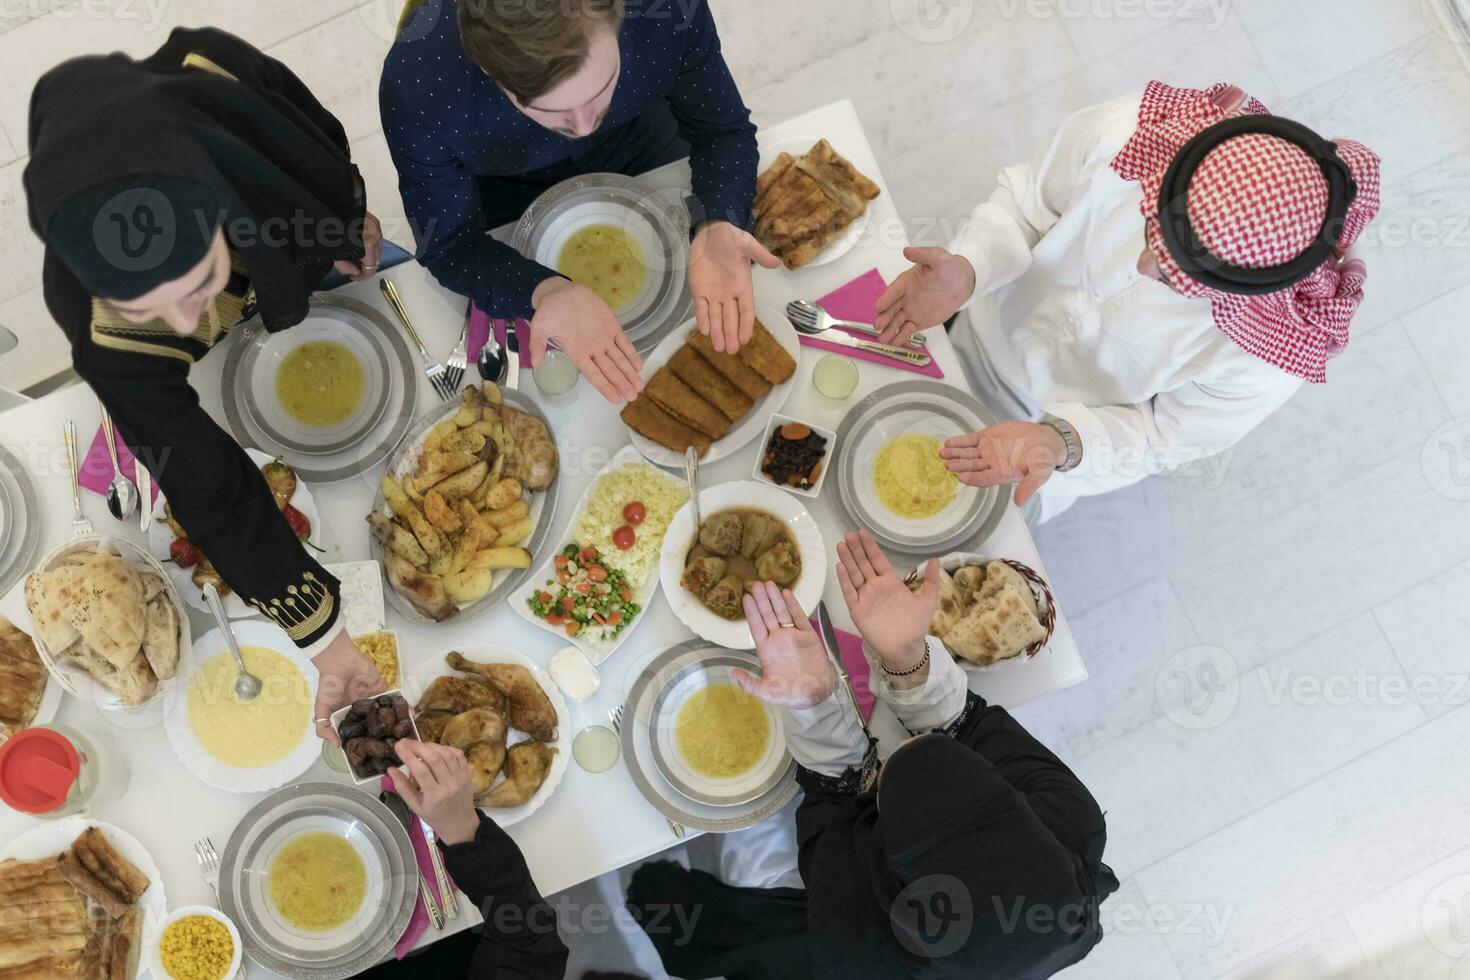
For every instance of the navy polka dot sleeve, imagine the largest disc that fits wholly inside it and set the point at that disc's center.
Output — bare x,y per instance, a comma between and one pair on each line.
468,160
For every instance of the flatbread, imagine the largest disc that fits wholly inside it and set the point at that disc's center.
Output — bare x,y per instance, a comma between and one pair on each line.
161,637
997,576
152,585
109,614
134,683
951,604
48,595
969,580
985,636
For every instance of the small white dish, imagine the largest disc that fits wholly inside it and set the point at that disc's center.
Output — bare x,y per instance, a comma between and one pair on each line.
776,422
341,713
155,948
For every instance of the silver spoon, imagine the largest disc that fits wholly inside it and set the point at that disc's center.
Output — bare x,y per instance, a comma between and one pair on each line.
247,685
691,473
491,361
812,320
122,496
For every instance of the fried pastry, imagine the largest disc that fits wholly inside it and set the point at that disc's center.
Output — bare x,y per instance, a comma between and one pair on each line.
684,404
22,678
803,204
652,422
766,357
698,374
839,179
736,371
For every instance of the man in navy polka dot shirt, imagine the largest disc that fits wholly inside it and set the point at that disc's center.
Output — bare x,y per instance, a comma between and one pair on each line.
487,103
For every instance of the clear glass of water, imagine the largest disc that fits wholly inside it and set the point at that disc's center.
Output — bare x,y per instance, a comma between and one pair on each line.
556,376
836,376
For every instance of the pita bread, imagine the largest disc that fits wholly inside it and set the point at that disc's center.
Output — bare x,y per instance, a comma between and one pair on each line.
997,576
48,595
134,683
951,604
152,585
969,581
985,636
161,638
110,614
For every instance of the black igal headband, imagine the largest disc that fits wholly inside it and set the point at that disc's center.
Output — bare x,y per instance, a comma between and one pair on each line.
1210,270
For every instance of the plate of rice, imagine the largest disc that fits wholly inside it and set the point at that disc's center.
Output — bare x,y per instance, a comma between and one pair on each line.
595,587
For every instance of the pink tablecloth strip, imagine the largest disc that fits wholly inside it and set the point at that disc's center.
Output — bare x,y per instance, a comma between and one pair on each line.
96,467
857,302
851,647
480,326
420,920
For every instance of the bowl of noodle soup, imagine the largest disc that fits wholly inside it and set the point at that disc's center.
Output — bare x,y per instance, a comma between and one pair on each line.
713,742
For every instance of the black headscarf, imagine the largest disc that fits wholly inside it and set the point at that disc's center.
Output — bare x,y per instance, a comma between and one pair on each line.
135,164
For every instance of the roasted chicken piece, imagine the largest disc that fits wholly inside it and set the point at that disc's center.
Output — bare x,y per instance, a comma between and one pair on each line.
527,765
480,735
455,695
530,709
423,590
534,461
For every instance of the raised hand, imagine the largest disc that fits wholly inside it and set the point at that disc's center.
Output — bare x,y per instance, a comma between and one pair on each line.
925,296
344,675
434,781
890,618
719,278
794,667
587,331
1023,453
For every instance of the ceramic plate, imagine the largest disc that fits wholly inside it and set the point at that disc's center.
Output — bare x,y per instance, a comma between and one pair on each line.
929,408
754,423
76,681
658,224
53,837
639,734
543,511
679,771
377,837
735,634
597,651
186,745
361,442
418,681
22,522
160,539
855,231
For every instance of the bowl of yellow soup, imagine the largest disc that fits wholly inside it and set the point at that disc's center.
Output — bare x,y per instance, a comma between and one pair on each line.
245,746
318,388
713,742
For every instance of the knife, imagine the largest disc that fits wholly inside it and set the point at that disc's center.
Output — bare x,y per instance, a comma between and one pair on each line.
441,877
145,494
834,654
512,356
916,358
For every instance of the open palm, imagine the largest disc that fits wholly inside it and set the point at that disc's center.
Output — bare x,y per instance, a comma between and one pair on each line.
890,617
794,666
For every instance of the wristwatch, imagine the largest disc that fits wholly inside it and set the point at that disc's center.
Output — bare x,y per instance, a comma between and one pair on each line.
1070,437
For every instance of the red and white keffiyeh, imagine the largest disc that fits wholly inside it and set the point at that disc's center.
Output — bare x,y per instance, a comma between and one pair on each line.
1255,201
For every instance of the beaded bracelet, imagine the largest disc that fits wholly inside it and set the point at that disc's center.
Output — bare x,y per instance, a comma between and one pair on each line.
923,662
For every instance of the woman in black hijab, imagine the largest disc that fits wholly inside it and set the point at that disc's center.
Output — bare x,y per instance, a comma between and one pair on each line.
971,852
177,196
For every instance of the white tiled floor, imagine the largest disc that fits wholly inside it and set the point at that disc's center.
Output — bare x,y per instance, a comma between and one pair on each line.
1279,707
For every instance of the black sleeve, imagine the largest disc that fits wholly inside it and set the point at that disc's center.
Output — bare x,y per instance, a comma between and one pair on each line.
250,65
214,489
519,938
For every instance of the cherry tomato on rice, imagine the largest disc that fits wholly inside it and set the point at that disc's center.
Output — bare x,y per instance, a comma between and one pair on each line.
624,537
634,513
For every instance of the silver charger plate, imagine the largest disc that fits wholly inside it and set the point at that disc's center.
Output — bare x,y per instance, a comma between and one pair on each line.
660,227
506,580
22,521
360,443
932,408
638,740
392,881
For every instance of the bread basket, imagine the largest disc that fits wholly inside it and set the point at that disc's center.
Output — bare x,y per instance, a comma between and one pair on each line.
1046,605
72,678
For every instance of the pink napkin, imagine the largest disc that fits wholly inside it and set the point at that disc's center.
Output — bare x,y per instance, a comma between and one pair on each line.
420,919
851,648
96,467
857,302
480,326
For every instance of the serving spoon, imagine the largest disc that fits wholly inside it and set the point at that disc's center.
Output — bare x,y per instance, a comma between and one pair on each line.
691,473
247,685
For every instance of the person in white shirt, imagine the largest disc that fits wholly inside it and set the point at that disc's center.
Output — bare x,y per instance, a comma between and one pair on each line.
971,851
1166,271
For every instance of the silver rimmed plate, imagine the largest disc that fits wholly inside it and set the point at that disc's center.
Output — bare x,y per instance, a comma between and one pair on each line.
658,224
683,773
379,840
543,512
357,443
22,521
927,408
640,733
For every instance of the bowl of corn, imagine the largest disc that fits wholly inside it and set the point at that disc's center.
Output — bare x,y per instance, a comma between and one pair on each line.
197,942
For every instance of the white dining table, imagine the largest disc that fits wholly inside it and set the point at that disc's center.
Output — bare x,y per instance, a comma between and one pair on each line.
592,823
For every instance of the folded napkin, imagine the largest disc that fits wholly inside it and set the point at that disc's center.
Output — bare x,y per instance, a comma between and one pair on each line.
420,919
851,648
481,326
96,467
857,302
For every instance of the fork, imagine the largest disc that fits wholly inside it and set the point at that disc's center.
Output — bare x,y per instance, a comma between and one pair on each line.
433,370
80,526
208,859
811,319
616,717
455,366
